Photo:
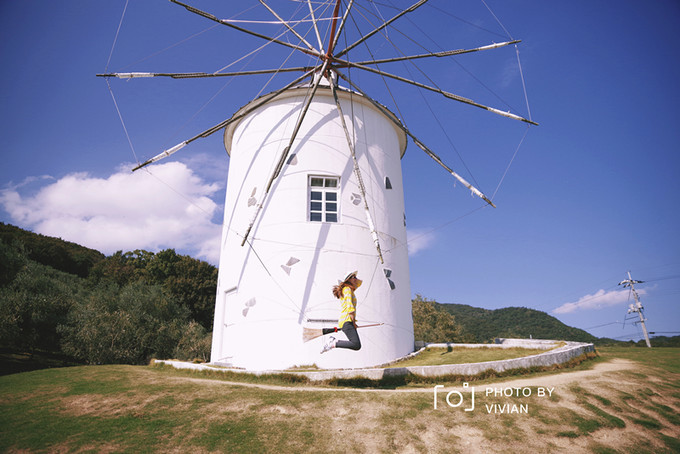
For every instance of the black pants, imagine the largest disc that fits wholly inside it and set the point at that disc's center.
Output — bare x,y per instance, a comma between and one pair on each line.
351,332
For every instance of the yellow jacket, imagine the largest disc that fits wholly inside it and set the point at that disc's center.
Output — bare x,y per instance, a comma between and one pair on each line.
349,305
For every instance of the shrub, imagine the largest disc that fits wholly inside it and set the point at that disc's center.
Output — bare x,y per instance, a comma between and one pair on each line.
130,325
194,345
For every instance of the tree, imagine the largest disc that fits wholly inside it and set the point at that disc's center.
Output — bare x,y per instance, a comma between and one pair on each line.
122,268
132,306
36,301
193,282
12,260
433,324
128,325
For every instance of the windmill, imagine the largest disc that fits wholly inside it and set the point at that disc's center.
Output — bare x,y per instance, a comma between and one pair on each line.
315,190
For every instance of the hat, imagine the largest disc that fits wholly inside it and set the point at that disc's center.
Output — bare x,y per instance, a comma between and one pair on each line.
348,277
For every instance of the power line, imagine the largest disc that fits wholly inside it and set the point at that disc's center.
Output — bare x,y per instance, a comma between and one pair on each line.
606,324
675,276
628,336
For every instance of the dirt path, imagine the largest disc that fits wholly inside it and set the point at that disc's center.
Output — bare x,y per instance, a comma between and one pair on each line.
614,365
617,406
552,380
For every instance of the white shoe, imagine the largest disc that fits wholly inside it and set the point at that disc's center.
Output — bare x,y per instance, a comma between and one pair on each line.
329,345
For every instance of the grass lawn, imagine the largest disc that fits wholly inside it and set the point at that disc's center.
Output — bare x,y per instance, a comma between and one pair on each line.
632,407
462,355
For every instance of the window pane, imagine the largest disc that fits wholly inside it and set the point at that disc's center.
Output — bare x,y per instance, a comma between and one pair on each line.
324,200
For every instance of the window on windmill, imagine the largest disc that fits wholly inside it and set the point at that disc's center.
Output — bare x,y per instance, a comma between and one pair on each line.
323,199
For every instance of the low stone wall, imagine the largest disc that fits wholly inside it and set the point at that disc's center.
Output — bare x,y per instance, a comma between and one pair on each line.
559,352
564,352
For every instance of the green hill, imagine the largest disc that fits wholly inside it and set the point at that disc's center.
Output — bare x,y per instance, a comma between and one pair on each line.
60,298
61,303
62,255
512,322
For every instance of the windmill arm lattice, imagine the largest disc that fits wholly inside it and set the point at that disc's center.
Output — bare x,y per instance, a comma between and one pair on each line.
329,61
326,59
420,145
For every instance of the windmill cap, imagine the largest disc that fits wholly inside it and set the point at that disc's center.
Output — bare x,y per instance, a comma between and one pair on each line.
247,111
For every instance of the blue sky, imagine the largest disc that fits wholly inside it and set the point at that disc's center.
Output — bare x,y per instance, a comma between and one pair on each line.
591,192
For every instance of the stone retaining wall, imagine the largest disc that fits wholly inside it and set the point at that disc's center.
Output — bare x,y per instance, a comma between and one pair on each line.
559,352
562,354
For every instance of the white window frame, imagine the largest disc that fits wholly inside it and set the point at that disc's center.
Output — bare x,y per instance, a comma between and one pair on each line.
323,199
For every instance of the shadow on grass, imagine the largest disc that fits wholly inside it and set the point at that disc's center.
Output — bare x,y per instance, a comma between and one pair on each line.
14,362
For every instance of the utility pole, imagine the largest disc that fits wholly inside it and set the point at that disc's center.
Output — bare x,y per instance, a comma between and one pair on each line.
638,306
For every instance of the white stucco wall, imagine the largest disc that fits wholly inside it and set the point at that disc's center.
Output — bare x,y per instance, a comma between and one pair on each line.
264,301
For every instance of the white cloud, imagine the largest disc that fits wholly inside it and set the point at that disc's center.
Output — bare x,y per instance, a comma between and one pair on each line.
419,239
209,166
598,300
169,206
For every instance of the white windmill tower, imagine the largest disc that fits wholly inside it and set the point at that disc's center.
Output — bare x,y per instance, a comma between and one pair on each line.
310,230
314,191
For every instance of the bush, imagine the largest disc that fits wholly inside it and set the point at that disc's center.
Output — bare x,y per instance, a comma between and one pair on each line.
194,345
130,325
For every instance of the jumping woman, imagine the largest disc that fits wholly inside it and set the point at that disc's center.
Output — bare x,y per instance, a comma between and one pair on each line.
344,291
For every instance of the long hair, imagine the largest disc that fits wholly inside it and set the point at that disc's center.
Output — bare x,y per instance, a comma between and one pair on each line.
337,290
